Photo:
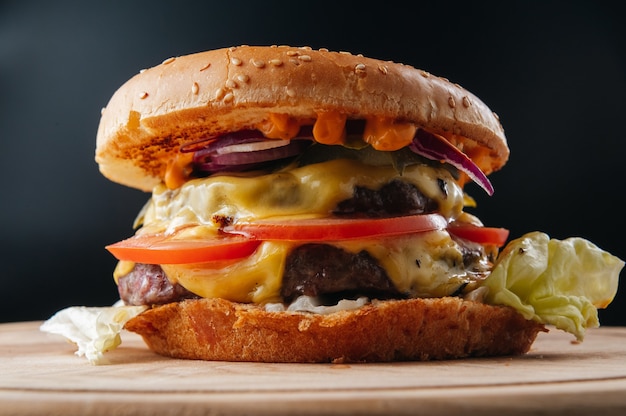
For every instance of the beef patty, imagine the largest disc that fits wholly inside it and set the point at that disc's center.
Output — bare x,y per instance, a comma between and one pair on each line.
319,270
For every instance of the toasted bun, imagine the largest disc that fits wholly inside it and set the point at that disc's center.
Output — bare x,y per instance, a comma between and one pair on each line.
416,329
190,97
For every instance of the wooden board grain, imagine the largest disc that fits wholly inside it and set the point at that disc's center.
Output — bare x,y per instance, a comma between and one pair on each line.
39,374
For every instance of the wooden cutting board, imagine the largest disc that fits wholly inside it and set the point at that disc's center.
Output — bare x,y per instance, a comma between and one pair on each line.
39,374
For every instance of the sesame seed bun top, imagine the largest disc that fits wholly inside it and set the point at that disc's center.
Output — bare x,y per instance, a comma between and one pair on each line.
191,97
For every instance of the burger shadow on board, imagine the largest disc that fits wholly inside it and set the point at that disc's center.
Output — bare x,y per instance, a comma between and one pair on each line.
52,245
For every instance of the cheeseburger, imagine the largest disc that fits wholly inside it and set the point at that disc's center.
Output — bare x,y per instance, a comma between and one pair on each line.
311,206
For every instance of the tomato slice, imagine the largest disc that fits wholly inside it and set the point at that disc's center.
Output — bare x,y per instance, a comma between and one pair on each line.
242,239
333,229
160,249
481,235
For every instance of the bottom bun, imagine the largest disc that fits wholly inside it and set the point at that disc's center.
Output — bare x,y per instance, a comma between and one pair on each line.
392,330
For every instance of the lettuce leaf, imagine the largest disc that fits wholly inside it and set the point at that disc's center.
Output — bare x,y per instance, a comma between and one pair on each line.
555,282
94,330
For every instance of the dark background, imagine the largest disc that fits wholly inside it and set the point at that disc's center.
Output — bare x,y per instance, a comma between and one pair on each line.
554,72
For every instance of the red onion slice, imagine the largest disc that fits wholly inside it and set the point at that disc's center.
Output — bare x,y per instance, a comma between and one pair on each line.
435,147
242,150
252,146
249,149
292,148
211,143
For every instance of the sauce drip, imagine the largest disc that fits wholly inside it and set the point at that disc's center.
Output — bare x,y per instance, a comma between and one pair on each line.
387,134
329,128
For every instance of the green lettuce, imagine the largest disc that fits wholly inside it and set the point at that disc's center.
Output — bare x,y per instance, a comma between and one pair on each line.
555,282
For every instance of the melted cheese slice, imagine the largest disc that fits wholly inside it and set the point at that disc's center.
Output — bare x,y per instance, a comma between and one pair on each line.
424,265
306,192
419,265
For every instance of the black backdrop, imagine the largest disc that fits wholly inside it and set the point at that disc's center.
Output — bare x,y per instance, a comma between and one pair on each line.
554,72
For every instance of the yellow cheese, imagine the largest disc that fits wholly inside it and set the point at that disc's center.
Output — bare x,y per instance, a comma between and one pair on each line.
427,264
122,269
305,192
423,265
255,279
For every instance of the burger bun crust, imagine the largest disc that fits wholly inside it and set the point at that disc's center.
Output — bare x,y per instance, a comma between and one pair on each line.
192,97
383,331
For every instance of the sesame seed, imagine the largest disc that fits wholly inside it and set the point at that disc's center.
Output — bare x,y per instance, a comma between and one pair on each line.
235,61
294,61
143,95
141,71
243,78
425,74
102,110
451,102
195,88
219,94
168,61
306,48
276,62
323,49
293,53
229,97
290,92
205,67
359,68
231,84
383,69
466,102
257,63
305,58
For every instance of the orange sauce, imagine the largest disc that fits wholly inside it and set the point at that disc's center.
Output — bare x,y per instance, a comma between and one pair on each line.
387,134
178,170
279,126
329,128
